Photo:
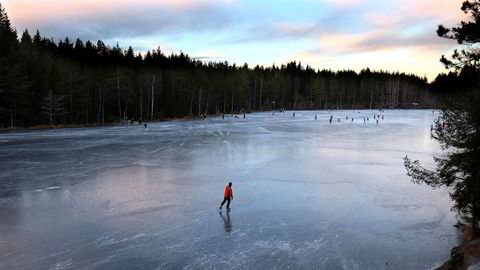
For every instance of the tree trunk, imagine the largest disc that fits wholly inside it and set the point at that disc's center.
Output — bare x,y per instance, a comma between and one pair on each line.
191,107
12,122
199,101
474,221
103,109
232,101
261,91
311,96
224,100
85,107
71,98
99,109
353,101
173,84
275,96
141,102
207,104
125,111
371,98
50,105
153,97
255,93
398,96
118,95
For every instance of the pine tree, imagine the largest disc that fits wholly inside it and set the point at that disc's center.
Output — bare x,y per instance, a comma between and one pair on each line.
53,106
458,128
12,80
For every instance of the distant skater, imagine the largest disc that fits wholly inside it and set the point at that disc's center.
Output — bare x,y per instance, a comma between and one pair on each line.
145,125
227,196
315,117
243,116
293,114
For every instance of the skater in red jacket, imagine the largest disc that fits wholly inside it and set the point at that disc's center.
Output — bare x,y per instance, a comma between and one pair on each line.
227,196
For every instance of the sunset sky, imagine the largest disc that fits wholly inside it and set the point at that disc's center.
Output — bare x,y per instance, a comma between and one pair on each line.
335,34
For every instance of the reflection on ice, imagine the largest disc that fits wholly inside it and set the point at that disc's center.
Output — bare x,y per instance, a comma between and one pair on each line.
227,222
308,194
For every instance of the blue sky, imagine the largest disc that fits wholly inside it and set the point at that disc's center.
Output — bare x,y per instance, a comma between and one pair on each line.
335,34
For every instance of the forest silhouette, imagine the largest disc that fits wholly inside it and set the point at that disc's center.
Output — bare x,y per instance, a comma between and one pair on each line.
43,82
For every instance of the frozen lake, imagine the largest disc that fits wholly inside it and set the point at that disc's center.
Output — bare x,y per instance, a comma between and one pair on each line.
307,194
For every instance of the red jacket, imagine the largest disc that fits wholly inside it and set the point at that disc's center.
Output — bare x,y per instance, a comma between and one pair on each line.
228,192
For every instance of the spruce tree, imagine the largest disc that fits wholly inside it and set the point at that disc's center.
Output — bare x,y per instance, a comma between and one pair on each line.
457,129
12,80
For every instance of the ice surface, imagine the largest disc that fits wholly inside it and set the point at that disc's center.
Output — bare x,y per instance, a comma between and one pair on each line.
307,194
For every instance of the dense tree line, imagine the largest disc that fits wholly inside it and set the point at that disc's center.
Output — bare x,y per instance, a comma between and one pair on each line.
76,82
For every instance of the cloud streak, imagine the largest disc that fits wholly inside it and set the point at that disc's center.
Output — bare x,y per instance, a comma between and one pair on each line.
379,40
119,19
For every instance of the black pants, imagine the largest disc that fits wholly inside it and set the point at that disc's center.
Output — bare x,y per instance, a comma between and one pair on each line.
226,200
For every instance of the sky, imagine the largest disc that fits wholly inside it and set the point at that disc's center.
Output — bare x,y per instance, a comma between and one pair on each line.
388,35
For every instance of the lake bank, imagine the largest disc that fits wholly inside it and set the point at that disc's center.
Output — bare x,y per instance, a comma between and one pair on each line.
465,256
127,123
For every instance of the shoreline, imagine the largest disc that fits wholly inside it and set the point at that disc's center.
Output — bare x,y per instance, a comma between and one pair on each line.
69,126
466,255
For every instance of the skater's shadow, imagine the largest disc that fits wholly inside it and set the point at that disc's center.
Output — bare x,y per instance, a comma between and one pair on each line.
227,222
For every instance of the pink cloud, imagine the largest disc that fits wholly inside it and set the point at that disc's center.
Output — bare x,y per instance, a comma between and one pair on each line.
289,28
119,19
382,19
33,10
380,40
344,3
443,10
406,13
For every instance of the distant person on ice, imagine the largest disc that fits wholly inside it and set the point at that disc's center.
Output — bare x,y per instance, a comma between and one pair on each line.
227,196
